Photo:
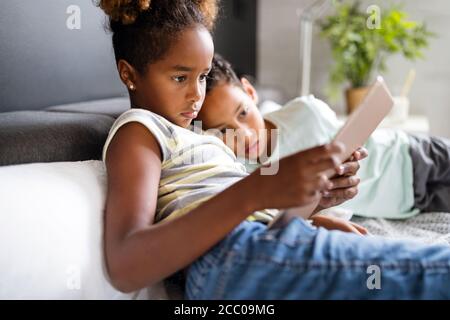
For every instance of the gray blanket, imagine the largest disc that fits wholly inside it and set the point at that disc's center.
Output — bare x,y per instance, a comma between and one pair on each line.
426,227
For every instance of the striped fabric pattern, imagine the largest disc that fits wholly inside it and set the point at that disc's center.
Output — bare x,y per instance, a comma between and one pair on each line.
194,168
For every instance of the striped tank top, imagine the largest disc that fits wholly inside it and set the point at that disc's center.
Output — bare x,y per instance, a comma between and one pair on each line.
195,166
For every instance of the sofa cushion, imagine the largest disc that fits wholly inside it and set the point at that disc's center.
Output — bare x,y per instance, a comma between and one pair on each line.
111,107
51,233
41,136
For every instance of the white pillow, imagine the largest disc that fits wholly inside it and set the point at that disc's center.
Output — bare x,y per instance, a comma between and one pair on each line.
51,224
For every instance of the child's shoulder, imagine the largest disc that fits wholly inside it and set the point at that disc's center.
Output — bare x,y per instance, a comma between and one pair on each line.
303,107
306,102
145,116
162,130
294,110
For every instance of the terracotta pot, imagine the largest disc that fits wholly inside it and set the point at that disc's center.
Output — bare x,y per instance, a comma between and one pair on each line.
354,96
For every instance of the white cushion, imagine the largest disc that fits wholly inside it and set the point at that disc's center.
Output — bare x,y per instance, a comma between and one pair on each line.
51,219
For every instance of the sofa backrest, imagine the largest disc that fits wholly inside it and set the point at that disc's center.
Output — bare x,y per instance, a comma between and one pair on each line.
55,55
54,52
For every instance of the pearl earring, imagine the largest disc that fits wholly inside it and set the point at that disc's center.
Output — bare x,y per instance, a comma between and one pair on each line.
131,86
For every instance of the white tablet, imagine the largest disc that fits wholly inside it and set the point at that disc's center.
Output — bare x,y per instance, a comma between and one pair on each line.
358,128
365,119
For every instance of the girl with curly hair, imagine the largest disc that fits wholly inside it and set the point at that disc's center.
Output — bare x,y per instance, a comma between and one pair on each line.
179,201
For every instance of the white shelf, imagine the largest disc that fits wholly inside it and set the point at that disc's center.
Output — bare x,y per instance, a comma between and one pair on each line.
414,123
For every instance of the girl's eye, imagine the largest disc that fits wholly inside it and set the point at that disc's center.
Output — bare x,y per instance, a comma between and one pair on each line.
203,77
179,79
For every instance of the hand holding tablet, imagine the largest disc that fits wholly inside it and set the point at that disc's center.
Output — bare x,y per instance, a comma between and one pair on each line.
366,118
358,128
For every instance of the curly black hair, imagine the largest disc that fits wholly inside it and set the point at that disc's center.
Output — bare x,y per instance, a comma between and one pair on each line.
221,72
143,30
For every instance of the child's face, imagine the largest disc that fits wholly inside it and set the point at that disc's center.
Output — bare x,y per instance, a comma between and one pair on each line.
174,87
227,106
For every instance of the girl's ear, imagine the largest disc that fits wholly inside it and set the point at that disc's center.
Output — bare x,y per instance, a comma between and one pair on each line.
250,90
127,74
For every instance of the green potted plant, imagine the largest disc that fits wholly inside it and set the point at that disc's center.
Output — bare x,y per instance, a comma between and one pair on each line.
361,46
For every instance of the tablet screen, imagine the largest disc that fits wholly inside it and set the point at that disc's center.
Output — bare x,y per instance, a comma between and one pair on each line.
358,128
366,118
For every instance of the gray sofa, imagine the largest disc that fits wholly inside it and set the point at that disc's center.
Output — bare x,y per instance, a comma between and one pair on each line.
72,132
59,88
59,96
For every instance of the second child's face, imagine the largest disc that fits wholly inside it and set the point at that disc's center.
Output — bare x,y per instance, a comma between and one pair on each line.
227,106
174,87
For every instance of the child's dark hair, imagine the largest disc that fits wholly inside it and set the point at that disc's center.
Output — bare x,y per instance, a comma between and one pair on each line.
143,30
221,72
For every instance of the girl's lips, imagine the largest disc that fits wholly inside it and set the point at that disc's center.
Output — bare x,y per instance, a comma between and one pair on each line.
190,115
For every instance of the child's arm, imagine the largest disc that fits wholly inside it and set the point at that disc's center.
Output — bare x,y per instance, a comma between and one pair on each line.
334,223
140,253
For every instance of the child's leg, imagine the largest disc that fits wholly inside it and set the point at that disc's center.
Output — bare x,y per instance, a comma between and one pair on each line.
431,162
301,262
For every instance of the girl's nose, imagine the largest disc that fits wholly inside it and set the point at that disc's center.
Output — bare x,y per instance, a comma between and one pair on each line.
195,92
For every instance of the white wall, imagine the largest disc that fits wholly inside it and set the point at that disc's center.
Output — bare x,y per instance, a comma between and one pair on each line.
278,52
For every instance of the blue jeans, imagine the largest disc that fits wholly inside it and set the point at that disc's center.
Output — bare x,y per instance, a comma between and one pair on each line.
299,261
